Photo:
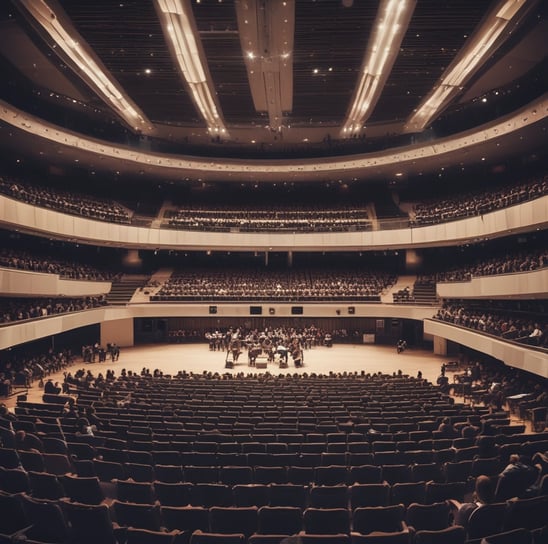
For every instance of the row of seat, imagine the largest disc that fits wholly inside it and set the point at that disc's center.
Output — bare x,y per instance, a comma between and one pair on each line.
65,521
92,489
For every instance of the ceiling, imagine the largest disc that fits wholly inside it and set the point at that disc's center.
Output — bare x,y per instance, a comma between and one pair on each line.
328,41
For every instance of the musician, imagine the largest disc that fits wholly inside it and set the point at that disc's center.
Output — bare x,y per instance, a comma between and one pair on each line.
297,356
234,348
254,351
268,347
282,353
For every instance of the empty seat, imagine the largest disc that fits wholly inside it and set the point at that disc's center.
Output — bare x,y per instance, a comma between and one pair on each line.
323,521
89,524
251,495
173,494
284,520
233,520
328,496
430,517
288,495
386,519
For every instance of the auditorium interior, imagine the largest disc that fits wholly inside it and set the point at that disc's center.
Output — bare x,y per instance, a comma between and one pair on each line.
274,272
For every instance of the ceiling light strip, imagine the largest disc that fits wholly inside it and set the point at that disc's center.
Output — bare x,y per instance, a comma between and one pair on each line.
479,48
180,32
393,17
73,45
267,29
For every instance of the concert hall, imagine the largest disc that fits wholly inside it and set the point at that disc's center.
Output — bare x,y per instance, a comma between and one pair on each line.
274,272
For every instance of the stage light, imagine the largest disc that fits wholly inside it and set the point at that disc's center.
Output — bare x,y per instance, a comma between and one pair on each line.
477,50
392,20
61,31
181,34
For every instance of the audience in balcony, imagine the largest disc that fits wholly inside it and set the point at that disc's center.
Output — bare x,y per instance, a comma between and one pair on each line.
519,325
64,201
291,285
523,261
20,309
50,264
478,203
245,218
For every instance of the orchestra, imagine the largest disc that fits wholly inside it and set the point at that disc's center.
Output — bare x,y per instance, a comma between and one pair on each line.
268,346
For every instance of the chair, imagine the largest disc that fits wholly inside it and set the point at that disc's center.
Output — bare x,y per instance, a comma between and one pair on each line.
89,524
139,472
208,495
54,445
326,521
486,520
14,519
300,475
32,460
9,458
169,473
538,418
516,536
466,454
282,520
319,539
394,474
143,536
425,472
186,519
199,474
201,537
458,471
451,535
48,521
438,492
378,537
251,495
386,519
288,495
57,463
230,520
14,480
84,490
235,475
515,484
173,494
81,450
365,474
334,458
137,492
490,466
108,471
137,456
407,493
527,513
430,517
362,495
45,486
331,475
140,516
328,496
268,475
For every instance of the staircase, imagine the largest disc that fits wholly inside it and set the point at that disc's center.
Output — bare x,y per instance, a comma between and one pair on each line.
425,293
123,289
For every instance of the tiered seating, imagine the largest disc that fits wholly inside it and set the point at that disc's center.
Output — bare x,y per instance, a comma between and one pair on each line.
242,218
293,285
194,459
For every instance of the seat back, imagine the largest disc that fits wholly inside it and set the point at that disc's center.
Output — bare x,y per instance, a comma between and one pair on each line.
387,519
